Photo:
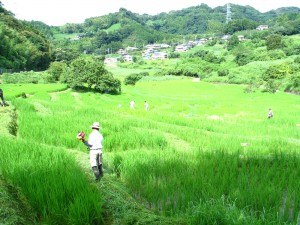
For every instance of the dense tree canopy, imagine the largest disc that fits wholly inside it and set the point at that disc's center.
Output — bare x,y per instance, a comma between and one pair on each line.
90,73
22,47
26,45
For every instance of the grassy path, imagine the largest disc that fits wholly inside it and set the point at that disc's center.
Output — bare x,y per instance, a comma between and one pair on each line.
120,207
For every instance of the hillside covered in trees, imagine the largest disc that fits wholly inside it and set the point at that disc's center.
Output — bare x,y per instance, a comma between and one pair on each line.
127,28
22,47
33,45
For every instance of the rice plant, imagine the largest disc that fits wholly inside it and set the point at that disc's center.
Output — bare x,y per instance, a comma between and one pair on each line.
205,153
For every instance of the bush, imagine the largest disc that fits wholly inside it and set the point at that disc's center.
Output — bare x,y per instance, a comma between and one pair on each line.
174,55
274,41
223,73
24,78
131,79
292,49
297,60
276,54
56,69
242,59
293,83
277,72
271,86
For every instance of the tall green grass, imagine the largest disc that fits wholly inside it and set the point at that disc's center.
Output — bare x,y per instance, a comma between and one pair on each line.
184,157
51,181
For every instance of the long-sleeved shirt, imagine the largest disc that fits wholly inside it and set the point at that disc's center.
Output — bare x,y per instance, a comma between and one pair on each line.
95,140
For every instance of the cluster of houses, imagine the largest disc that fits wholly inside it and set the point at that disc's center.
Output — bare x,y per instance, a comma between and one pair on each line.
157,51
151,52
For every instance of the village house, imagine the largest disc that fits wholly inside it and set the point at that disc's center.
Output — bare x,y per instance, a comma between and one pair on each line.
203,40
241,38
181,48
159,55
127,58
131,48
76,38
262,27
110,60
226,37
165,46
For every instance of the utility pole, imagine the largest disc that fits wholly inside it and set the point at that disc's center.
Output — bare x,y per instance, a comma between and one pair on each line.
228,14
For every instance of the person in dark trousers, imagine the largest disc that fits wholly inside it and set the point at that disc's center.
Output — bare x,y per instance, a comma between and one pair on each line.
95,145
2,98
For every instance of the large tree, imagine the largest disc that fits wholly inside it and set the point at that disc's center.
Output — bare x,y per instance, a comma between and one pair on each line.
90,73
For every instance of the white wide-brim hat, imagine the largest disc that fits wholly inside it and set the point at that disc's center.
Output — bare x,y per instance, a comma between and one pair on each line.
95,125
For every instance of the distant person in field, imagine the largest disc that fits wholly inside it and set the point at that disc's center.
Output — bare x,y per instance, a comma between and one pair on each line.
270,114
95,145
132,103
146,105
2,98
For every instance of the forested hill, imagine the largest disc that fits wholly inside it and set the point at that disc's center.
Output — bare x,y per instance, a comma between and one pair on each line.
22,47
193,20
128,28
27,45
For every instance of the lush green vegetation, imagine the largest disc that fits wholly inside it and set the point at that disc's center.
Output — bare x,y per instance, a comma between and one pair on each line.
118,30
184,159
205,153
22,47
33,45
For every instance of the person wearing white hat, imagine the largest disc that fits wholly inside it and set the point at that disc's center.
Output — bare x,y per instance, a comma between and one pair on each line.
95,144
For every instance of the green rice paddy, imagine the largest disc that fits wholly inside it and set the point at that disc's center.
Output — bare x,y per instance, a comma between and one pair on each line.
203,154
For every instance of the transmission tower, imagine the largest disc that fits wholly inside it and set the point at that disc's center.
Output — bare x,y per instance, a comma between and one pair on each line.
228,14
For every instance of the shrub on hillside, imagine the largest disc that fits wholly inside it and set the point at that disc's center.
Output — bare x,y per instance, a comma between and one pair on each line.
212,42
285,75
277,72
56,69
24,78
257,42
212,58
271,86
243,53
297,60
276,54
292,49
293,83
261,54
274,41
194,68
235,79
173,55
233,42
131,79
242,58
222,73
208,56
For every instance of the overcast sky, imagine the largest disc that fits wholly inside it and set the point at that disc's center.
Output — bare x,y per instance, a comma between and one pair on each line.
60,12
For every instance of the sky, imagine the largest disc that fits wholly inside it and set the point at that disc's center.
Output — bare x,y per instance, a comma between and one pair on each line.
60,12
